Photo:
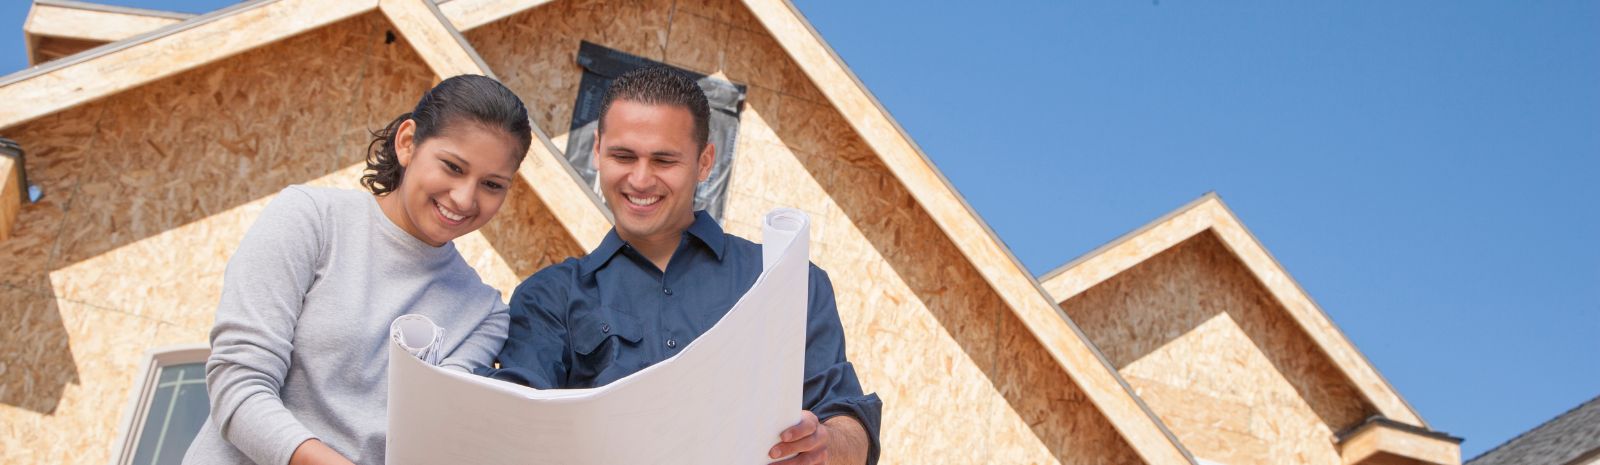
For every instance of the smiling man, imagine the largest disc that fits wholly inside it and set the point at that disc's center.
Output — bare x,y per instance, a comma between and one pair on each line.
667,273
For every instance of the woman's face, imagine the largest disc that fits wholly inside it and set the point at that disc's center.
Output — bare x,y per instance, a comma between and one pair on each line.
454,182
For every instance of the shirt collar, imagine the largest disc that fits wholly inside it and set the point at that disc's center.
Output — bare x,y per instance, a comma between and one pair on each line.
704,229
602,254
708,232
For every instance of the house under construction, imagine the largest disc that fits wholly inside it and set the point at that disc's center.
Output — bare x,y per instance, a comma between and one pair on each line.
147,142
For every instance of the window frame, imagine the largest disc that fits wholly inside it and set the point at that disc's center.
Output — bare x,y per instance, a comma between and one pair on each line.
138,409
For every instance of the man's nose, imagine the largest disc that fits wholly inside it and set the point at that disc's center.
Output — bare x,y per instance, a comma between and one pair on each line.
641,176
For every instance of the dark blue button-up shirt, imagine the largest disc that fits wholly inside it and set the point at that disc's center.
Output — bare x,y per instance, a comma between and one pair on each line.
589,321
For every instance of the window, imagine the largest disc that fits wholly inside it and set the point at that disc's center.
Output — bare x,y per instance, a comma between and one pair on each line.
602,65
167,407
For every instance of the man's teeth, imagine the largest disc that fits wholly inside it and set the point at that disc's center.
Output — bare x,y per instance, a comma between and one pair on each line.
643,201
448,215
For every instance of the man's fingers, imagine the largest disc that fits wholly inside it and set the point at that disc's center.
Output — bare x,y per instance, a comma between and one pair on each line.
810,458
806,427
808,445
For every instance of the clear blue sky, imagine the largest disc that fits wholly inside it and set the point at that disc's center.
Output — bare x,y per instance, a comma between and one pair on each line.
1428,171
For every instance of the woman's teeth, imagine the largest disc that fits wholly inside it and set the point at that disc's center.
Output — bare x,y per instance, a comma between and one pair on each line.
447,215
643,201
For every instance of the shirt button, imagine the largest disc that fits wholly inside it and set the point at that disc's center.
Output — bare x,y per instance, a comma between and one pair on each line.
605,328
666,290
672,343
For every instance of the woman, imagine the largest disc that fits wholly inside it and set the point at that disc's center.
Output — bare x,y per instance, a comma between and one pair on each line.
297,372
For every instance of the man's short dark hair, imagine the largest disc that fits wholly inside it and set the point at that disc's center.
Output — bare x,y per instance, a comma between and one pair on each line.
661,85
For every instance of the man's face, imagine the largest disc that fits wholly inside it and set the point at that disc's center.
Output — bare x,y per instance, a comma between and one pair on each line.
649,164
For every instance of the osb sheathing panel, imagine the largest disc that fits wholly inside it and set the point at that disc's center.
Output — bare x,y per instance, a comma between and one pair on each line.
10,194
97,366
160,195
1209,213
56,146
1382,444
1216,357
924,330
535,52
52,89
1018,290
469,14
51,48
90,24
962,380
147,194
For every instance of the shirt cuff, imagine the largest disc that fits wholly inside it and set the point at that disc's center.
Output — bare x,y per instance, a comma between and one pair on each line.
867,409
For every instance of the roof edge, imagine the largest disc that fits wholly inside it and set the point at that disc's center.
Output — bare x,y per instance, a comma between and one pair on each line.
1380,420
971,213
1519,436
1227,224
113,47
1125,237
127,10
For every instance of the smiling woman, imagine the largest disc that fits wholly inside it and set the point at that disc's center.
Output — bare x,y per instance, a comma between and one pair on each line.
308,296
456,133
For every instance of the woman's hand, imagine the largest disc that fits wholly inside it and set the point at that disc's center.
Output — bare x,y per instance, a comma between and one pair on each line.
314,452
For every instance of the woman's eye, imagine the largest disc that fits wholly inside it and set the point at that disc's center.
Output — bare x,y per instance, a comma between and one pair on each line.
495,186
452,167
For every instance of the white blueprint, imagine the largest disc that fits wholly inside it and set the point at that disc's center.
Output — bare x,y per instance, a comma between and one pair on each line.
722,400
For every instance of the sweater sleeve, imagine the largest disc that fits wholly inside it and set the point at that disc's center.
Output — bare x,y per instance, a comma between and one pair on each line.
263,289
477,352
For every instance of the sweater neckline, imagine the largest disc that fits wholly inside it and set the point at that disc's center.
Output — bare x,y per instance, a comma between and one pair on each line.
402,239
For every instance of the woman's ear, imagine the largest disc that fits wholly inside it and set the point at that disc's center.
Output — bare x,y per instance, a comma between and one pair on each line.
405,142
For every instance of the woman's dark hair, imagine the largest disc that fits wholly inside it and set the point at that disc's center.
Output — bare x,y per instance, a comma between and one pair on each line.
465,99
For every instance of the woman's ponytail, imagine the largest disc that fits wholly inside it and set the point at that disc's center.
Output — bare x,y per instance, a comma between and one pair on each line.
384,171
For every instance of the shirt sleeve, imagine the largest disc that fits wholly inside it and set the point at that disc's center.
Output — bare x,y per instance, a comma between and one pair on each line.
478,351
262,291
535,352
831,386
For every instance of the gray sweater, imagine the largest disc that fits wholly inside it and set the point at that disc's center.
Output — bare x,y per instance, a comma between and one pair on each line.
298,350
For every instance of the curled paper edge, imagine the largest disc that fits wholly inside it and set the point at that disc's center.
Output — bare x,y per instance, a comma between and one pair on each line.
418,336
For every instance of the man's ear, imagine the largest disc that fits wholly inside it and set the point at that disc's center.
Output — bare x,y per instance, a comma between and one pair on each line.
707,156
594,158
405,142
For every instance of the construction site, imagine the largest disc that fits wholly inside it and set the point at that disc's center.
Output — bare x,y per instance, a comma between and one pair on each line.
147,142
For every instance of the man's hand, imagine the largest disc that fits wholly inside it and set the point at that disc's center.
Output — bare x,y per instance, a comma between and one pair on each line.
840,441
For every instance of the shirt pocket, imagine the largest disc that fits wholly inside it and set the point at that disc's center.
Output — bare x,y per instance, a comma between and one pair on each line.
599,340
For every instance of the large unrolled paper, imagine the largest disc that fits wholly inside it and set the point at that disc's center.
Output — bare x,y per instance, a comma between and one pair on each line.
722,400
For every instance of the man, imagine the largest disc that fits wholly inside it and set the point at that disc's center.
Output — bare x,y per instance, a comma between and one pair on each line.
666,273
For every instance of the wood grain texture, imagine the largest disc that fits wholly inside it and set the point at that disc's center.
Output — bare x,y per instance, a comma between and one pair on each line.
1209,213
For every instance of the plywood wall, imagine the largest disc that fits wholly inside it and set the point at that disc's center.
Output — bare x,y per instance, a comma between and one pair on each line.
46,48
962,380
148,192
1218,359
